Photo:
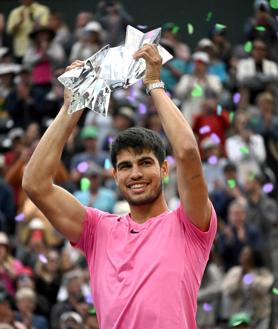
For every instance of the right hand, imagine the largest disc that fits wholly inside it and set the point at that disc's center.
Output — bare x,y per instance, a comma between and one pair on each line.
67,92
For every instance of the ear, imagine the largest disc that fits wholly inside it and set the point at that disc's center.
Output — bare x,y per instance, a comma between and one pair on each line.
165,168
114,172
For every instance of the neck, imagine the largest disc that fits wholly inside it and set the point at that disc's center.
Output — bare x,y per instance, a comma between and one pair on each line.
141,213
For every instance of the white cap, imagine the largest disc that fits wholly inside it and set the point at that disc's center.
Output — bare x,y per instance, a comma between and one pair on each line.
201,56
93,27
36,224
205,43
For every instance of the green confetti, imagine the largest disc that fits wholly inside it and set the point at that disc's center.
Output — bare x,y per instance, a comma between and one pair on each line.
175,29
190,28
219,109
274,4
220,26
166,180
244,150
260,28
231,183
85,184
209,16
275,291
231,117
197,91
248,47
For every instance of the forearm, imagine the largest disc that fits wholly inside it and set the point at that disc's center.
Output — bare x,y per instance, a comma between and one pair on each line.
176,127
43,164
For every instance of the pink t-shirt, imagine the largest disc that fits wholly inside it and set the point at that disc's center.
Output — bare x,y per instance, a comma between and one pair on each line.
148,279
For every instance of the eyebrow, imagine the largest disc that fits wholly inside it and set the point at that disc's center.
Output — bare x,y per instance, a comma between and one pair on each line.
127,162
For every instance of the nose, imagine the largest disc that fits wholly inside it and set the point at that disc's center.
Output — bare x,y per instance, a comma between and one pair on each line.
136,173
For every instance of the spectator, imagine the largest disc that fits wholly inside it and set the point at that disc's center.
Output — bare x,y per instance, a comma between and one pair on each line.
247,288
70,320
21,22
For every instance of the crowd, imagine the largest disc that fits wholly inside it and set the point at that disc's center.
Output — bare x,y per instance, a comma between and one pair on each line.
228,93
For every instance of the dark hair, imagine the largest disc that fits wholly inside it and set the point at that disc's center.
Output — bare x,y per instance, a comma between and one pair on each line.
138,139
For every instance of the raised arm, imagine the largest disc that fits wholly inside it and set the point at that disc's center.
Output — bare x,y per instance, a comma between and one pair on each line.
191,183
64,212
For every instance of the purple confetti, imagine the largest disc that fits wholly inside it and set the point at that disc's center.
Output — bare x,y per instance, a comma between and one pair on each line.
89,299
213,160
20,217
268,187
236,98
204,130
142,108
131,98
215,138
170,159
207,307
110,139
82,166
247,279
43,258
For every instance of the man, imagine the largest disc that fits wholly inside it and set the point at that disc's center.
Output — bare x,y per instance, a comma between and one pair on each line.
146,267
22,20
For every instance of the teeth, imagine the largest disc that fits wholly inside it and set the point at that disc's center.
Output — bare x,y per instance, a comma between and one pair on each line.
137,186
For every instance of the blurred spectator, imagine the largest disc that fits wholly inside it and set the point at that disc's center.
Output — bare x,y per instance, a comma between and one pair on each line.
170,37
114,19
245,148
75,301
9,266
7,203
264,27
191,89
236,234
255,73
89,42
96,195
82,19
16,146
26,302
43,55
21,22
62,33
247,288
70,320
91,319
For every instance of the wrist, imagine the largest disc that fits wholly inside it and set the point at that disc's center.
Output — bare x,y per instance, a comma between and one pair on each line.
158,84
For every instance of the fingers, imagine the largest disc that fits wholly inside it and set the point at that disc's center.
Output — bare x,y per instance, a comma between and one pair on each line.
149,52
75,64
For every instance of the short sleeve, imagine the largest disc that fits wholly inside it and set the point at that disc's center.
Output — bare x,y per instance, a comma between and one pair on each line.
87,237
201,239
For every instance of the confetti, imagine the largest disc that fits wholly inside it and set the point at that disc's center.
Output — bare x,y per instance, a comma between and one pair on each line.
236,98
166,180
213,160
219,109
171,159
207,307
275,291
82,166
107,164
205,129
197,91
215,138
142,108
231,183
43,258
268,187
175,29
220,26
248,47
110,140
260,28
244,150
247,279
209,15
231,117
142,27
84,184
89,299
274,4
20,217
190,28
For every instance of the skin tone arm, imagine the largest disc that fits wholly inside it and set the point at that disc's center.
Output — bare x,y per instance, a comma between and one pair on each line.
64,212
191,183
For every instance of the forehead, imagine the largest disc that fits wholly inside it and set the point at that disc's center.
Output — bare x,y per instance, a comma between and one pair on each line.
134,155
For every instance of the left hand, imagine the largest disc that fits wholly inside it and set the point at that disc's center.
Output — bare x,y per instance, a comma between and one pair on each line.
150,54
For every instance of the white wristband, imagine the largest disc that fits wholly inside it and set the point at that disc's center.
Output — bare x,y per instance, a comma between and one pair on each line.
155,85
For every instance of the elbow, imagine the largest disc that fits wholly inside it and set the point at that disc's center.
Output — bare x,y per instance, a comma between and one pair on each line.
188,153
29,184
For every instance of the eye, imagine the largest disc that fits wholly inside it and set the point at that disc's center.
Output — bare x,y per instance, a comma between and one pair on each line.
146,162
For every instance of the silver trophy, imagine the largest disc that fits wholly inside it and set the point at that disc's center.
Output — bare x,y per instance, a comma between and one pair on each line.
110,69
